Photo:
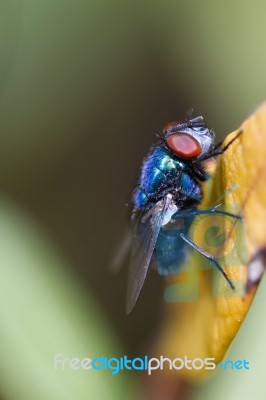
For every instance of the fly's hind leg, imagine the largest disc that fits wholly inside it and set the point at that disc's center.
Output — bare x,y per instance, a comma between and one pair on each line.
209,257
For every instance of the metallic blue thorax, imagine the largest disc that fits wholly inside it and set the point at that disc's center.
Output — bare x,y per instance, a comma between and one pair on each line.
162,172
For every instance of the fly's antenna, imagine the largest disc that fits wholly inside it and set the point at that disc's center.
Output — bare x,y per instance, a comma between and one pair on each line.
197,122
194,122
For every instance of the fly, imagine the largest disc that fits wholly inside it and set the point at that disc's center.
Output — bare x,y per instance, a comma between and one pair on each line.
170,187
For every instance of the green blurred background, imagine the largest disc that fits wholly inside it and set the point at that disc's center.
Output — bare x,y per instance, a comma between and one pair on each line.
84,85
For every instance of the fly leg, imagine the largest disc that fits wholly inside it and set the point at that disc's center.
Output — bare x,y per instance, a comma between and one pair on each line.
217,150
209,257
212,210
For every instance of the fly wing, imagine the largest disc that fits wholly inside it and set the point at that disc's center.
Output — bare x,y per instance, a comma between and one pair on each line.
119,257
146,228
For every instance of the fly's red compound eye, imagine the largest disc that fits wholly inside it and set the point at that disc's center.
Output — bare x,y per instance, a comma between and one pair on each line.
183,145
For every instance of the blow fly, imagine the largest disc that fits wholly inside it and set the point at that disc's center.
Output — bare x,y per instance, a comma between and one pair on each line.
170,187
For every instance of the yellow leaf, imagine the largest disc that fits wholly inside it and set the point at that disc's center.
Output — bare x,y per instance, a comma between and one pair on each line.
202,313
